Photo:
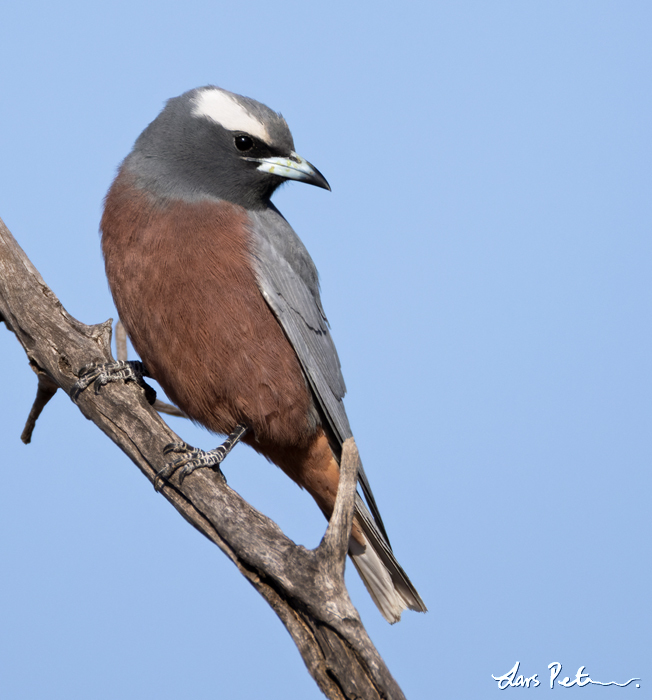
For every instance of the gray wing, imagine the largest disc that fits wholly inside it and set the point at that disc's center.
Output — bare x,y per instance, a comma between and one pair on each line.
288,280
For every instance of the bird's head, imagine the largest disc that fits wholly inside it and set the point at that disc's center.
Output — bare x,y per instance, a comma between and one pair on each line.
211,142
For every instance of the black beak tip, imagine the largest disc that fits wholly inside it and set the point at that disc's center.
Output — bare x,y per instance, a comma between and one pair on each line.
320,181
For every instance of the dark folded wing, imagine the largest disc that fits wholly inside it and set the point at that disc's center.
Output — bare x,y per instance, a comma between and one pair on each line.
288,280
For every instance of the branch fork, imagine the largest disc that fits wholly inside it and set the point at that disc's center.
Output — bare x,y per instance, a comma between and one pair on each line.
305,587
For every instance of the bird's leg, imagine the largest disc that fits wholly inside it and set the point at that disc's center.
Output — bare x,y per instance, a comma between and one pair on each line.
192,458
102,374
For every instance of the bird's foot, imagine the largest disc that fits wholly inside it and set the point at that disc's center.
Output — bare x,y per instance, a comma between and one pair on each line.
102,374
193,458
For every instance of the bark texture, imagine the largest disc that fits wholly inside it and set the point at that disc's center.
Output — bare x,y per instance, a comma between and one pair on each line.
305,587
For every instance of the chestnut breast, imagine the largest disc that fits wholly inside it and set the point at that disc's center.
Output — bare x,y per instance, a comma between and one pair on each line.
183,283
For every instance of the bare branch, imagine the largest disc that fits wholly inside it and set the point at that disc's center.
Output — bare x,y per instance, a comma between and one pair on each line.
164,407
305,587
45,391
335,544
120,341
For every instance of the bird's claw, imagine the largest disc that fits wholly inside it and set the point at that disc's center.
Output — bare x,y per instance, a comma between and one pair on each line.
100,375
178,447
192,458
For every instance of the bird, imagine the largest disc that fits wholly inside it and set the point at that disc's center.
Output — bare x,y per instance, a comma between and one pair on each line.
221,300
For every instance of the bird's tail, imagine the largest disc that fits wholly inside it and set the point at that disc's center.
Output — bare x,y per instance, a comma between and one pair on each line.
387,583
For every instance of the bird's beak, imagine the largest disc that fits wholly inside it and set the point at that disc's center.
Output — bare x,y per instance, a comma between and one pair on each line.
292,167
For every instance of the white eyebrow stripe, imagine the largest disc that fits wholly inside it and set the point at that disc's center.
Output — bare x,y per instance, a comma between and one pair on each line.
223,109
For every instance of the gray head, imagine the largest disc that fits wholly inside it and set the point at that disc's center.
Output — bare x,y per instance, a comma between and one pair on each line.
209,142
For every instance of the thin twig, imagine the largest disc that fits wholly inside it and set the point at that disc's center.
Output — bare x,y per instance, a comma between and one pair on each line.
45,391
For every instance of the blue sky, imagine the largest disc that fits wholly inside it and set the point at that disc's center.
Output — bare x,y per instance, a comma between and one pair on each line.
485,258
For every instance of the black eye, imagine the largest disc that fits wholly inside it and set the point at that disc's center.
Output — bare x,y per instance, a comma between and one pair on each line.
244,143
